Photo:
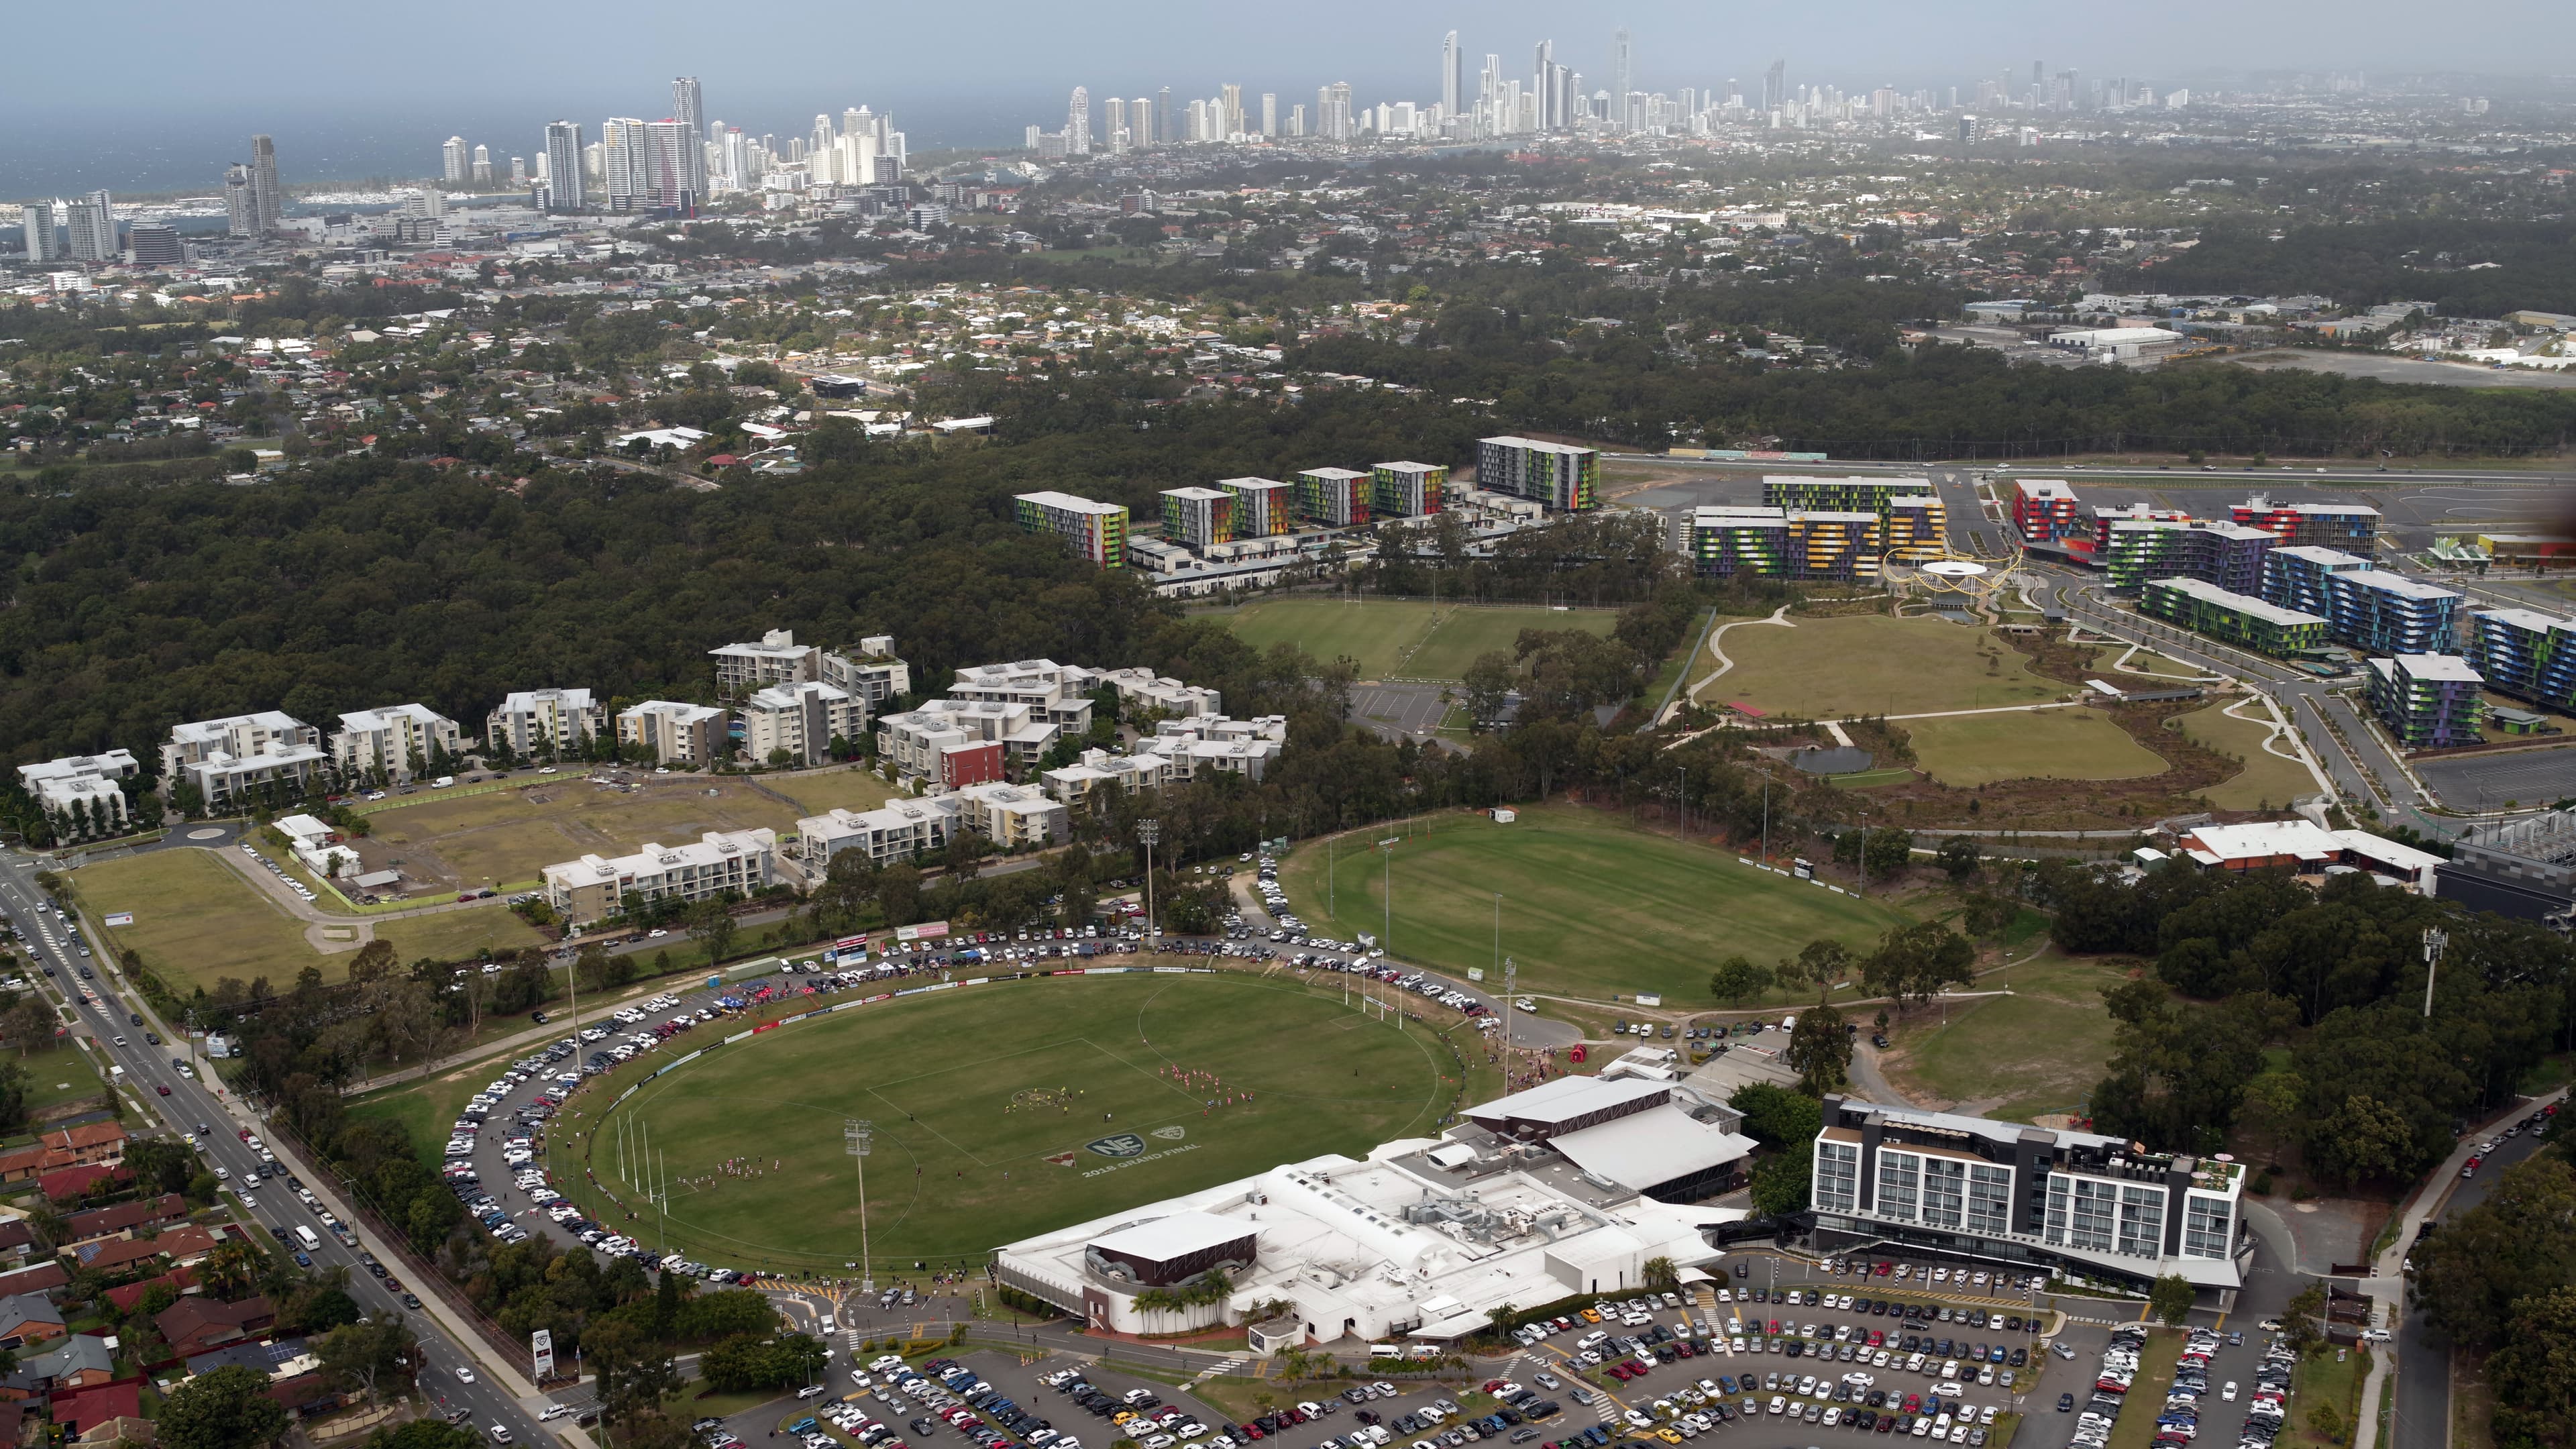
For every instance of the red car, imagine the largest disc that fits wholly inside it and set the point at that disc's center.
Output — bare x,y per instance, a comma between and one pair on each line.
163,1090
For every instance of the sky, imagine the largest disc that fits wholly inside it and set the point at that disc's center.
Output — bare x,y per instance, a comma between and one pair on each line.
372,89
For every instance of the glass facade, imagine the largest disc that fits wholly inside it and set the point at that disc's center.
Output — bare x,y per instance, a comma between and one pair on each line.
1945,1184
1899,1184
2207,1226
1989,1199
2142,1222
1837,1176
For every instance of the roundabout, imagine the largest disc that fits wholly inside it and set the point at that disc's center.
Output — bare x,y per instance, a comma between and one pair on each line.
999,1110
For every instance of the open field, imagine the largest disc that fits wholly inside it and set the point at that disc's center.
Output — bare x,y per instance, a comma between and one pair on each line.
2040,1049
194,920
1015,1135
1591,906
1865,664
58,1075
845,789
457,935
1966,751
1407,638
1463,634
505,838
2268,782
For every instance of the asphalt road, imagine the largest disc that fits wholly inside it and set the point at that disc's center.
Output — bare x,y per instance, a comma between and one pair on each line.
215,1118
2423,1402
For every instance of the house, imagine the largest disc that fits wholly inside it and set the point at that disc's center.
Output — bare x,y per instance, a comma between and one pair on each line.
78,1361
200,1325
177,1280
95,1409
43,1277
28,1318
90,1144
227,758
71,1184
183,1246
124,1217
118,1428
314,842
395,742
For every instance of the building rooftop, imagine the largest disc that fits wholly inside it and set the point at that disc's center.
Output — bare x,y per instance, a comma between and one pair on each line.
2245,604
1163,1239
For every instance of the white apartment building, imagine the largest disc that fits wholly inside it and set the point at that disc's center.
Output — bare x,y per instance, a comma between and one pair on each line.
911,741
802,720
898,830
226,758
1011,815
2019,1196
1056,693
1089,780
1218,746
672,733
593,888
875,675
533,721
387,739
1141,688
82,783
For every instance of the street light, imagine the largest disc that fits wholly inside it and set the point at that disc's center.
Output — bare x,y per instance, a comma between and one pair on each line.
857,1135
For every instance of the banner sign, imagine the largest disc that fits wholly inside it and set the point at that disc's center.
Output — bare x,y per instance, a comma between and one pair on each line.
926,931
543,1342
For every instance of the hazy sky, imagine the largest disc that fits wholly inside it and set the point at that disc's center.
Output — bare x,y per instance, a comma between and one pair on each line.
374,87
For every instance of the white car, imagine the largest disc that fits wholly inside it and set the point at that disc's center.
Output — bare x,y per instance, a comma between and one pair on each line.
2228,1391
464,1375
554,1411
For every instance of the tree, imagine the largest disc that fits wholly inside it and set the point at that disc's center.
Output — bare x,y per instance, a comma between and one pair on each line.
1660,1274
2300,1319
1823,962
711,924
634,1374
1486,683
362,1354
2363,1139
1738,980
425,1434
2170,1298
1500,1316
1917,961
2471,1274
2534,1371
1820,1049
1960,856
226,1409
2327,1421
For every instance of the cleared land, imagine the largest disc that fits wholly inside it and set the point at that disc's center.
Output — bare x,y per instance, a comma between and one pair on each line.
1966,751
1404,638
504,838
1591,906
2268,781
1865,664
196,922
2038,1050
985,1143
850,789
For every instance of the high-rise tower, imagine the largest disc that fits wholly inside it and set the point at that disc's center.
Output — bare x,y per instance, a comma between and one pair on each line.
563,166
689,108
268,201
455,158
1623,77
1453,75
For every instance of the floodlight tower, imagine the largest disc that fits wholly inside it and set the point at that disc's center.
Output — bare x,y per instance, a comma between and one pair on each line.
1147,833
857,1135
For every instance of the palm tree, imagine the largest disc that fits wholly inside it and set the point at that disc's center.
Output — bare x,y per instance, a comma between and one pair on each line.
233,1267
1661,1275
1501,1316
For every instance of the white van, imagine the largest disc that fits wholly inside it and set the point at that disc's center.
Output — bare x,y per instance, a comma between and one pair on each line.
307,1237
1386,1350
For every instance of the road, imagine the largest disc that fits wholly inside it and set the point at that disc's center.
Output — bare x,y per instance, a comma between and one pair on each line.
116,1024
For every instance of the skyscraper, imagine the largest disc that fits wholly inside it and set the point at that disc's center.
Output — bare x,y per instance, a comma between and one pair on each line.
92,232
1113,123
563,166
36,219
482,165
689,108
1165,127
1775,86
1453,75
1232,125
241,218
671,145
1269,113
1623,76
1077,123
1141,121
456,157
1543,72
625,164
268,201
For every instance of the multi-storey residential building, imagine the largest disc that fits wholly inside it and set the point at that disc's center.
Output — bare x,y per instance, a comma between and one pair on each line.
1215,745
2294,576
1198,517
1333,497
2526,654
913,740
1011,816
1564,478
1834,545
1724,541
1141,688
800,721
227,758
2239,619
1098,774
875,676
2044,511
2015,1195
1057,693
397,741
2346,527
2385,613
2427,701
1407,490
2097,548
545,721
899,830
78,787
736,862
1096,531
672,733
1261,506
2226,554
1879,496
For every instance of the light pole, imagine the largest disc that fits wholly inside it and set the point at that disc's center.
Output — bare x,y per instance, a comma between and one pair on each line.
857,1135
1147,833
1864,850
1386,894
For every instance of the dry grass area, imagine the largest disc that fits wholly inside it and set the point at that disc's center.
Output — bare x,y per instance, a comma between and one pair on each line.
504,838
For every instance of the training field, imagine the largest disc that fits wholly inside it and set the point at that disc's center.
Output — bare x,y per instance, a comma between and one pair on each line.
1965,751
1591,906
504,838
988,1104
1402,638
197,921
1864,664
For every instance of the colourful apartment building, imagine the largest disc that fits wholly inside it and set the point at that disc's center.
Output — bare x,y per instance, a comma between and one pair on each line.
1407,490
2294,575
2095,549
2385,613
2347,527
1097,531
2239,619
2044,512
1334,497
1723,542
1554,475
2226,554
2526,654
1198,517
1909,512
1261,506
1835,545
2427,701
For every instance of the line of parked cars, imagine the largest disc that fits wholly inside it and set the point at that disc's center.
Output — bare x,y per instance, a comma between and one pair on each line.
279,871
